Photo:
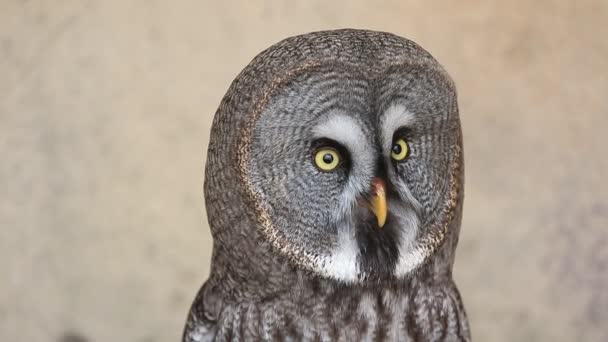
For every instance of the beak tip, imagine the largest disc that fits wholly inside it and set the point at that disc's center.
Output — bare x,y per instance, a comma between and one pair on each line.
379,205
381,223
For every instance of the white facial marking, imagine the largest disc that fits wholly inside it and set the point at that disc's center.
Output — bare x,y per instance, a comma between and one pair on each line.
343,263
394,117
404,191
346,131
409,227
410,258
411,255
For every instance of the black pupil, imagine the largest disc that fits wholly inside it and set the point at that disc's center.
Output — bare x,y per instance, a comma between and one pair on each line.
328,158
397,149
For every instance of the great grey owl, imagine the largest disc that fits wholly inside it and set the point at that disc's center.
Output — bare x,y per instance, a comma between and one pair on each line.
334,190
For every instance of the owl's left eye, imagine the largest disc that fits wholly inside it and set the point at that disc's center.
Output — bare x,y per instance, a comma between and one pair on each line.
327,159
399,150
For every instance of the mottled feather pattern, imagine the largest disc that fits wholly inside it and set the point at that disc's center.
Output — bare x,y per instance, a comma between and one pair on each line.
265,281
323,312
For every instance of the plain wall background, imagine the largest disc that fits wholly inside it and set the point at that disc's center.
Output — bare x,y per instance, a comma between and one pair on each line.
105,111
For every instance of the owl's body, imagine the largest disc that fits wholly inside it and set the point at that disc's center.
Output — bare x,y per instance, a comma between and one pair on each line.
334,187
315,310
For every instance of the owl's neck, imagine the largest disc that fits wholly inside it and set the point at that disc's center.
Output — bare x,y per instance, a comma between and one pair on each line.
255,294
291,304
250,270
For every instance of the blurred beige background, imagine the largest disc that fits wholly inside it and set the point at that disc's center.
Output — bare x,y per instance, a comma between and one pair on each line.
105,111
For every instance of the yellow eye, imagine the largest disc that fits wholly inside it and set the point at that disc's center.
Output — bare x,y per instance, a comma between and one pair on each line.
399,149
327,159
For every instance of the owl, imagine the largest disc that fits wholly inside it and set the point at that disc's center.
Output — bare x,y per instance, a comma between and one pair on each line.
334,191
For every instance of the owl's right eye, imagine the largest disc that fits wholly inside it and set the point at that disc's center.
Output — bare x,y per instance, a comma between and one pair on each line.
327,159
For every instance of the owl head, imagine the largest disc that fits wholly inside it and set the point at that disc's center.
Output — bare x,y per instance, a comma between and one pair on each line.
343,151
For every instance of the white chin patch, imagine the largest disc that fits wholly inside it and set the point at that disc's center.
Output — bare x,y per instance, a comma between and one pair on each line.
343,263
411,255
409,261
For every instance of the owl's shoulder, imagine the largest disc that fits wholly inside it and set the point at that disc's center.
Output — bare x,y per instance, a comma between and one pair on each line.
426,313
202,321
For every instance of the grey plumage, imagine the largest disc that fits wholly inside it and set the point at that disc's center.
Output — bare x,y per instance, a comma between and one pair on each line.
296,256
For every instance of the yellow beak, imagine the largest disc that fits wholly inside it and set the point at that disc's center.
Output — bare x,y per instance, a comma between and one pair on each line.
378,202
